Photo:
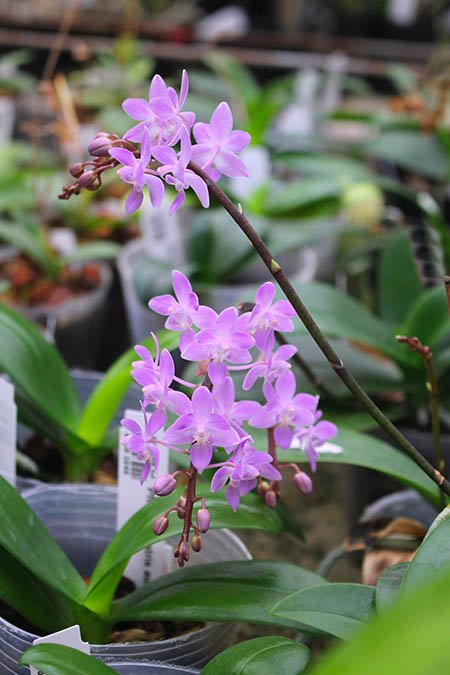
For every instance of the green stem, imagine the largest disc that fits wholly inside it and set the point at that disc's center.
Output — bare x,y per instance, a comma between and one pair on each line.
313,329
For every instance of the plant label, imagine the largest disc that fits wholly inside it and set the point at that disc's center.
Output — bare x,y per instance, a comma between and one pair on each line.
156,560
162,234
69,637
8,431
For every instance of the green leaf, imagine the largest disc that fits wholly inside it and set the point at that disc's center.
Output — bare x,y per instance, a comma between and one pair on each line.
260,655
26,539
428,317
31,598
415,151
367,451
336,609
224,591
388,586
95,250
399,283
340,316
301,194
137,534
341,169
60,660
102,405
412,638
38,372
431,557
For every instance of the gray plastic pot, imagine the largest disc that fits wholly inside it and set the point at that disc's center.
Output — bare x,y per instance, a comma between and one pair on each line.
85,382
149,668
82,520
402,504
141,320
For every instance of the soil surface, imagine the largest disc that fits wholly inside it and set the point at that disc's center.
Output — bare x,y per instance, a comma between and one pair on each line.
28,285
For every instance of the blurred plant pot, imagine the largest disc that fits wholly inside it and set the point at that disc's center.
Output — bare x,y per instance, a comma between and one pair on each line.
149,668
141,321
300,265
366,486
76,323
85,382
71,514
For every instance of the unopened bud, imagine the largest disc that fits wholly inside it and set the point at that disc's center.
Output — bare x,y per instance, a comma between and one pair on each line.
160,525
181,503
263,488
203,519
184,551
164,485
76,169
89,180
271,499
196,543
100,145
303,483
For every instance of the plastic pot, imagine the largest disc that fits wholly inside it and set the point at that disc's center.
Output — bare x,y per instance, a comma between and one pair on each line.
149,668
300,265
71,514
85,381
405,503
141,321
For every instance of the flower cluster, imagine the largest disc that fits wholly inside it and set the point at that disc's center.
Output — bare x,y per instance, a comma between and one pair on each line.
211,427
147,153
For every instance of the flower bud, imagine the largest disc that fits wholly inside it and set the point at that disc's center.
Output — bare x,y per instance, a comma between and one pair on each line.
184,551
203,519
164,485
160,525
263,487
76,169
303,483
196,543
100,145
89,180
271,499
181,503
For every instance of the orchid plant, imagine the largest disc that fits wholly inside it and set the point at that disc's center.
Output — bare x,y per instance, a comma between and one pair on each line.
158,152
212,418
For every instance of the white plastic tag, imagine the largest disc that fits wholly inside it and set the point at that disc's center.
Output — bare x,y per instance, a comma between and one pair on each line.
161,232
69,637
156,560
63,240
7,117
8,431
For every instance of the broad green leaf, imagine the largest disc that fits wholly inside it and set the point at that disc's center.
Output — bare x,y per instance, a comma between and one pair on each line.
411,637
96,250
340,316
260,655
388,586
106,397
342,169
398,282
413,150
33,599
336,609
224,591
428,317
432,556
37,370
363,450
58,660
137,534
26,539
302,194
